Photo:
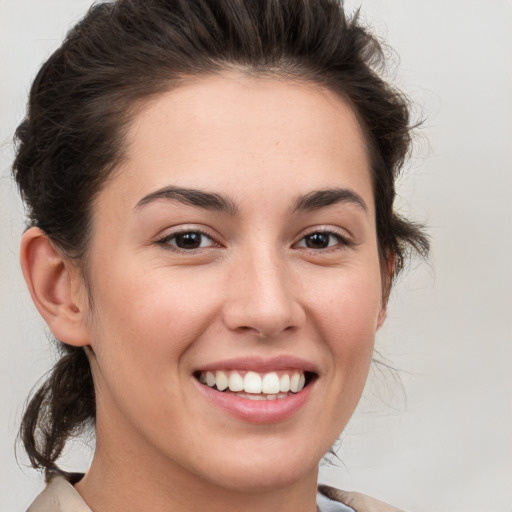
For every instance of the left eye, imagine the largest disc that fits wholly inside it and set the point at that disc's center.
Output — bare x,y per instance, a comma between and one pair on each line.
188,240
321,240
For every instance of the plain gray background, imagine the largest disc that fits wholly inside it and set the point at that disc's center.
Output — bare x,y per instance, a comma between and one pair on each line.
445,444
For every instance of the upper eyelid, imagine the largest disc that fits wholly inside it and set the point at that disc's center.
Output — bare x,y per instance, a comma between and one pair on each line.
341,232
345,239
334,234
180,229
166,239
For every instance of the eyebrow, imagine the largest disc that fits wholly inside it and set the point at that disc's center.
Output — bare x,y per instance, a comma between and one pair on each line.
314,200
192,197
328,197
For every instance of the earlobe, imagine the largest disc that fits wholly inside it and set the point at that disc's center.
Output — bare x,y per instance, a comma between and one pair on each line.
51,280
382,316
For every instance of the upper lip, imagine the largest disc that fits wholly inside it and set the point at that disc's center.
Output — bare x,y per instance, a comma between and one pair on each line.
260,364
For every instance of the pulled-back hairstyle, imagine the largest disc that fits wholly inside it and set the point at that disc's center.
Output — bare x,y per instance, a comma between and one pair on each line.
119,55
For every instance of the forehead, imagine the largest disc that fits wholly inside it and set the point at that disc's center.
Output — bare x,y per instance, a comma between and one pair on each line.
234,131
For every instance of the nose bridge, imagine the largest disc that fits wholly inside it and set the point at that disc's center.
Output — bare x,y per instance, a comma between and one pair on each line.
261,295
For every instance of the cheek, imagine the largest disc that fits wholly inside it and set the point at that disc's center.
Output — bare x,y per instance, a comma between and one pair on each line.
146,320
141,330
348,310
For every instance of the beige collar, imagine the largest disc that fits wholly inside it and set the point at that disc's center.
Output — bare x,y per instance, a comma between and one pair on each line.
359,502
59,496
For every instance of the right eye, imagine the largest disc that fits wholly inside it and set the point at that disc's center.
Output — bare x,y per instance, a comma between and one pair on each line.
188,241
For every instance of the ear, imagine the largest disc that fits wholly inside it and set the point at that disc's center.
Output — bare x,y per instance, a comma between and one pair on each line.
388,269
56,287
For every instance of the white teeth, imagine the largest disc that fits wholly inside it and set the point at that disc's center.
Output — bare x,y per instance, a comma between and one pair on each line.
268,386
261,397
221,380
284,383
302,381
294,382
252,396
210,379
252,383
236,382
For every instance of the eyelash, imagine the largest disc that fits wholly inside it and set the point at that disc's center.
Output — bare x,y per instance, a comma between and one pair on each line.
167,240
341,242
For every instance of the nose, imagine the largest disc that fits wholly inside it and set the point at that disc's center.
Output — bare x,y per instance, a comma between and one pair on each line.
262,297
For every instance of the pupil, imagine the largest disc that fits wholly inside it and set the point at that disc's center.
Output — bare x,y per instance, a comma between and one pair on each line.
188,240
317,241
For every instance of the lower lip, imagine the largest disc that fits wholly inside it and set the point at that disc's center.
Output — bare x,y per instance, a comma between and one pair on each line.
258,411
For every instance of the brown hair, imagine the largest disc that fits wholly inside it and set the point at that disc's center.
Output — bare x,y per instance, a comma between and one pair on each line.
84,97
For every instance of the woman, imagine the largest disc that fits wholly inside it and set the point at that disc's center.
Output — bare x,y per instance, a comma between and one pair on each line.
212,240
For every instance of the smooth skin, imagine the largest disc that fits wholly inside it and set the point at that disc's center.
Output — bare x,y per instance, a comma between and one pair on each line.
177,286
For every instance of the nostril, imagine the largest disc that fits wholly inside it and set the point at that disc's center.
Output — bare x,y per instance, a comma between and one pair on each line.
263,333
267,309
266,331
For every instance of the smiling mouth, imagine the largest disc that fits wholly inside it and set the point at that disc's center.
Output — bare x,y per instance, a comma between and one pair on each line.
252,385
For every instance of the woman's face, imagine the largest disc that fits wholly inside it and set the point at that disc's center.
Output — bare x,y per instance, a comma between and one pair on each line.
236,244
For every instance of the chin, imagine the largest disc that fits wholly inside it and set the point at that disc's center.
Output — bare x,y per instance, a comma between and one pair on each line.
264,479
266,470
